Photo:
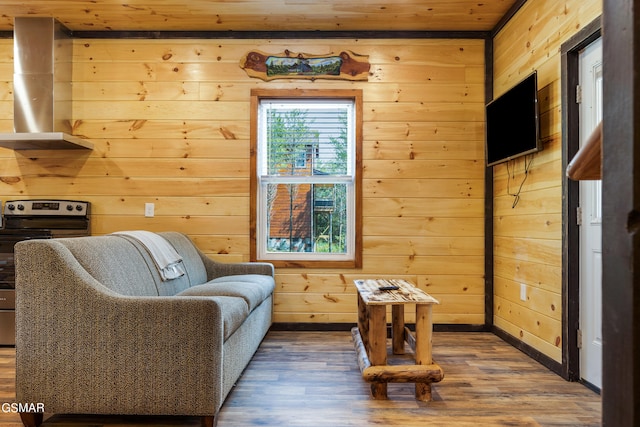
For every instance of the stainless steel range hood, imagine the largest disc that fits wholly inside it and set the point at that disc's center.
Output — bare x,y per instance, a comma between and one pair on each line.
41,87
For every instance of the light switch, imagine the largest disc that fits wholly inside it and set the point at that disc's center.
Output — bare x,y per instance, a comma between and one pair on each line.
149,210
523,292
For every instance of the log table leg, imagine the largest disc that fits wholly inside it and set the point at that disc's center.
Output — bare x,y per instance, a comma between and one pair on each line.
423,347
397,328
378,345
363,322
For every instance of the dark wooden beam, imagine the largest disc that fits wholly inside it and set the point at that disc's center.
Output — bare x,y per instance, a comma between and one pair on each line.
621,214
294,35
507,16
488,198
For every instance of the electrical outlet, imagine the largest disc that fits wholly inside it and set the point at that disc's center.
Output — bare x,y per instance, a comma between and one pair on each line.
149,210
523,292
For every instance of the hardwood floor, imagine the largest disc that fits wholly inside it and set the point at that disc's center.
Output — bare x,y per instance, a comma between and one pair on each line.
312,379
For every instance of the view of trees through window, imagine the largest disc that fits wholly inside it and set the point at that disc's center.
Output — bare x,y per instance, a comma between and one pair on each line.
307,154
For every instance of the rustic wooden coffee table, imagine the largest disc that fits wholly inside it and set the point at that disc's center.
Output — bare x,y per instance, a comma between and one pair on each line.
370,337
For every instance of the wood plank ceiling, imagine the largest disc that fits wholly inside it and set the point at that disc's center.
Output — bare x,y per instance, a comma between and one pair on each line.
263,15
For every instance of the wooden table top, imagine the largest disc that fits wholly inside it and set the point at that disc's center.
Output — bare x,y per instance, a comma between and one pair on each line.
407,292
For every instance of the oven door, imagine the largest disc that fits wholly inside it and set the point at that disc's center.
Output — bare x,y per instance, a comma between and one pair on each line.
7,299
8,239
7,327
7,292
7,267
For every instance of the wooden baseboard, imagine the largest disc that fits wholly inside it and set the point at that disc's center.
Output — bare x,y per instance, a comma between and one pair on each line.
536,355
312,327
319,327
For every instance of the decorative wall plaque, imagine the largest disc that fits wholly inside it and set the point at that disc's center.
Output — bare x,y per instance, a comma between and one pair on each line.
289,65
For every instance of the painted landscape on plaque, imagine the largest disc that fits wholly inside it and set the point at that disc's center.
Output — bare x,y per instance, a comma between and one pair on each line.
282,66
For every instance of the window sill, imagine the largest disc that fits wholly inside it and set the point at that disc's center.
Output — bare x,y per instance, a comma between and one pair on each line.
312,263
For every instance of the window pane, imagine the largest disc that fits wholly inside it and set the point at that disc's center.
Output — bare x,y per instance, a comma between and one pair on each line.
307,218
306,141
330,218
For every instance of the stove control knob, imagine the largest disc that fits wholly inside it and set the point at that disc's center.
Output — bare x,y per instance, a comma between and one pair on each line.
69,207
79,208
11,206
20,207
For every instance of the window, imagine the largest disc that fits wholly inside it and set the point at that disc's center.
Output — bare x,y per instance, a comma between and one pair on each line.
306,177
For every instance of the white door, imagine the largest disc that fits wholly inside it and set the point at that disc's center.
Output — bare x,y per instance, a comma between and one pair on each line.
591,229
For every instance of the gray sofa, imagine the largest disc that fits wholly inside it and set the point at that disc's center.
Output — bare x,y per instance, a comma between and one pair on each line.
99,332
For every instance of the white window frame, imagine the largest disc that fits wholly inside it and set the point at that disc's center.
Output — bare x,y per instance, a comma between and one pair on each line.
307,100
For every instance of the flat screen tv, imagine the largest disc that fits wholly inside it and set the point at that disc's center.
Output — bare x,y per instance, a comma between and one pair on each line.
512,123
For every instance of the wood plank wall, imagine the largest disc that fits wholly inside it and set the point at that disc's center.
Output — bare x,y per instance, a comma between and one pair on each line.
528,237
170,120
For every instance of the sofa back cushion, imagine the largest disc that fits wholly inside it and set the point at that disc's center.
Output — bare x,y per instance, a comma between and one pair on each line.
124,265
114,262
195,272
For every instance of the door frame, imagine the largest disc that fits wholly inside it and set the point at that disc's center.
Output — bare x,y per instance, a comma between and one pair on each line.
571,197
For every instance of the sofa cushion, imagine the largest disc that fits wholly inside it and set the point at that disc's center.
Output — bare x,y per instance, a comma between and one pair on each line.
234,312
261,280
115,263
253,292
196,271
163,287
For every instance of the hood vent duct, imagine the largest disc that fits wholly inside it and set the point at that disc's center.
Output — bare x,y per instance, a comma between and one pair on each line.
41,87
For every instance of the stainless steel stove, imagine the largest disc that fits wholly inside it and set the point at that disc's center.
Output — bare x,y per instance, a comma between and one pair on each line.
33,219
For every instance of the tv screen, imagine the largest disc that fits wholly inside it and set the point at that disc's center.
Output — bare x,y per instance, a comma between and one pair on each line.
512,123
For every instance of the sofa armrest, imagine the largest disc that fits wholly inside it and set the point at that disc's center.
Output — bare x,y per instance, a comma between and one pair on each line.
217,269
81,348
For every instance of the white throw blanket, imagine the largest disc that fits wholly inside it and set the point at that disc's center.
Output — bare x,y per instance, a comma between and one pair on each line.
167,260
